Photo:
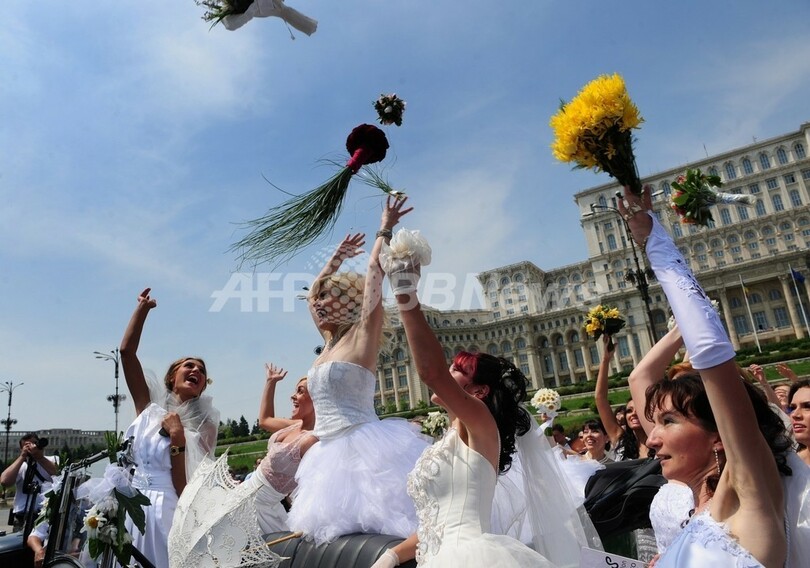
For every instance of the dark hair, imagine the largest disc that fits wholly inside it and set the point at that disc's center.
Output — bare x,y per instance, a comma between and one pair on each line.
507,389
168,380
594,424
687,395
28,437
802,384
558,428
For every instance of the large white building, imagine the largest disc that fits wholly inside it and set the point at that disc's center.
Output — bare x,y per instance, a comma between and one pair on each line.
534,316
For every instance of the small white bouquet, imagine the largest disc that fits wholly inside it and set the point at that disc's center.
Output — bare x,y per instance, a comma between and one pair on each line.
547,401
403,258
435,424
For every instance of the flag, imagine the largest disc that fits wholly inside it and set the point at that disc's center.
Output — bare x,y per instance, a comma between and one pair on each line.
797,276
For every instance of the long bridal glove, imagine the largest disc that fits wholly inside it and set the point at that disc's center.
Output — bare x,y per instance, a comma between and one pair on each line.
703,334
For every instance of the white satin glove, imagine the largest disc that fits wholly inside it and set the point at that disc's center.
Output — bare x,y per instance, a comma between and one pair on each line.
403,259
389,559
404,275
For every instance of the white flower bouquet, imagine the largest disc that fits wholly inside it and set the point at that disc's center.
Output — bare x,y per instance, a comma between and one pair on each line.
435,424
547,401
113,498
403,258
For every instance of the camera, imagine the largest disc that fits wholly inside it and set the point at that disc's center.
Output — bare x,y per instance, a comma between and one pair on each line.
42,443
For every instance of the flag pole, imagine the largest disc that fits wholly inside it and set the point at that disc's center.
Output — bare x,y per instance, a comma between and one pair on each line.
799,296
750,316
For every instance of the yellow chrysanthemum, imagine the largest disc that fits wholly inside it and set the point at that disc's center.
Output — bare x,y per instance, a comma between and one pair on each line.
580,126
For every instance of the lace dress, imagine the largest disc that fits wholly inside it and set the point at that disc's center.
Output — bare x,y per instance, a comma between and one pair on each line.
668,512
453,488
705,542
354,478
275,479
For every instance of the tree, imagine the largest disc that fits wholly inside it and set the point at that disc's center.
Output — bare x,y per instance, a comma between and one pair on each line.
244,427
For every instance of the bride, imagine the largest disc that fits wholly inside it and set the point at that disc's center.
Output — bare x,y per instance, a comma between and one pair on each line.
354,478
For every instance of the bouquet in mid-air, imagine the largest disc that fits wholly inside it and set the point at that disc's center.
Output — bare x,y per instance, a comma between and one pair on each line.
594,130
693,195
547,401
234,14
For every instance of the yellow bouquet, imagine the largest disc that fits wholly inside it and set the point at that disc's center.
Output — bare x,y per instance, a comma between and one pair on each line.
593,130
603,319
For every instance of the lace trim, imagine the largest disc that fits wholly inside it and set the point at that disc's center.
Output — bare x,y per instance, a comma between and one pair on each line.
710,533
430,531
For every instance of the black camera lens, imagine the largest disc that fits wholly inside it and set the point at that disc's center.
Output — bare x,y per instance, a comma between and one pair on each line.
42,443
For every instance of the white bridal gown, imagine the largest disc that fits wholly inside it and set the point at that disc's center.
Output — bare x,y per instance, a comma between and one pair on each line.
453,488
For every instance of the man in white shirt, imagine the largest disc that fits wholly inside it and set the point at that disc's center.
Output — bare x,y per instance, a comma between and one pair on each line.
31,452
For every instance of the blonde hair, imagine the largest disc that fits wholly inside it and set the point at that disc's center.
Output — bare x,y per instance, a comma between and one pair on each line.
350,288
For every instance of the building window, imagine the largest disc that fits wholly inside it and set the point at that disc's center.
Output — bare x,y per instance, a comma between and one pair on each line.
756,298
548,366
742,212
676,230
780,315
741,325
713,171
624,347
774,294
789,178
735,302
611,241
594,355
795,197
563,357
777,202
725,216
764,161
389,383
798,149
747,167
730,172
403,380
753,188
781,156
760,208
760,320
579,360
772,183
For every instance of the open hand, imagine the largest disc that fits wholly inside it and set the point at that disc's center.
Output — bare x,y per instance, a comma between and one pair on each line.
274,374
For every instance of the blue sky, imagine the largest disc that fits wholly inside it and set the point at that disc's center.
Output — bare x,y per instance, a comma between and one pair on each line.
134,140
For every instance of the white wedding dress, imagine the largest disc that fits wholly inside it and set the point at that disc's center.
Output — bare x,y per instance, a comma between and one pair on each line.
453,487
354,479
706,542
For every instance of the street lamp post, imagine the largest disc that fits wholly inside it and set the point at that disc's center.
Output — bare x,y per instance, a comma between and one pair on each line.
638,276
114,398
8,387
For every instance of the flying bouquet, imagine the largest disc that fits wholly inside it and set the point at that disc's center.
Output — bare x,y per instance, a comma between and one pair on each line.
236,13
547,401
389,109
603,320
299,221
593,130
694,194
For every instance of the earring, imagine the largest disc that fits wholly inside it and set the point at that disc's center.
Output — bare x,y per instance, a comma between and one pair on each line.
717,461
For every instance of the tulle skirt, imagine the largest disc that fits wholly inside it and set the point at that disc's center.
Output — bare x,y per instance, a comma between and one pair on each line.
577,472
486,550
356,482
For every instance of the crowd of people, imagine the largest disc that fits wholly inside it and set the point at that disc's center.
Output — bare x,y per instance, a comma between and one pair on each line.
494,490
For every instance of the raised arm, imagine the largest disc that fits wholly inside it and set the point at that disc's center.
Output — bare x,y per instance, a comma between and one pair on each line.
750,468
606,415
267,408
133,372
759,375
369,328
348,248
651,369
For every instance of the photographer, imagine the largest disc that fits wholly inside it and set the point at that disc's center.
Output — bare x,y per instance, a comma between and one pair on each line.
28,484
